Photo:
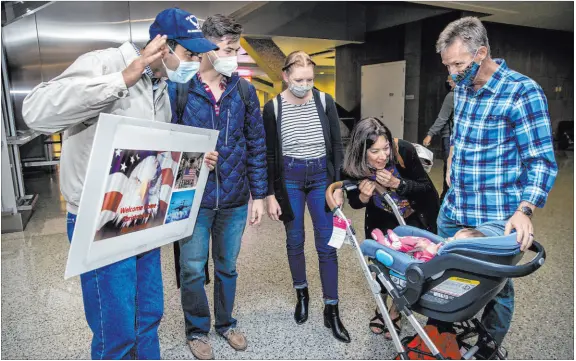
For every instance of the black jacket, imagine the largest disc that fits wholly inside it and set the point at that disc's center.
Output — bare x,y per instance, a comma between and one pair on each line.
334,152
420,191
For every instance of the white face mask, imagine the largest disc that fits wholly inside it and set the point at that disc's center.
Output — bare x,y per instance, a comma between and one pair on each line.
225,66
184,72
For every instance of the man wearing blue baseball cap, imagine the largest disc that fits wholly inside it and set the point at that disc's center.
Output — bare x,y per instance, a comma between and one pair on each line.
185,41
123,302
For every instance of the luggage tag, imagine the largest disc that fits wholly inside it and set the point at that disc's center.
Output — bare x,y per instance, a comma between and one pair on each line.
339,234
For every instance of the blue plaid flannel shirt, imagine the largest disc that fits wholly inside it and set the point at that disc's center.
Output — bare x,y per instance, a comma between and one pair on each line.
147,70
503,152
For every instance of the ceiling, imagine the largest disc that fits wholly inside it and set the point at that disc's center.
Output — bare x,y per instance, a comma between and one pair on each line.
321,50
554,15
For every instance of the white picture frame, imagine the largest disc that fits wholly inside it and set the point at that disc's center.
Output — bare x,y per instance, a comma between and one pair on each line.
134,158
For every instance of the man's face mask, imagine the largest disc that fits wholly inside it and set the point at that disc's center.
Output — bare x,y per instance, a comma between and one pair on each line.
184,72
300,91
466,77
224,65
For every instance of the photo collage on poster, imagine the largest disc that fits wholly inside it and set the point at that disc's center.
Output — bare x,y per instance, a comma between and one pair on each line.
146,189
185,187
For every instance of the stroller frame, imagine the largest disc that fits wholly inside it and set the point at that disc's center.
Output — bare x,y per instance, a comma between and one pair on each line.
467,329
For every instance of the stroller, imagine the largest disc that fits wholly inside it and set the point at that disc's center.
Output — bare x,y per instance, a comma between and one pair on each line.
452,287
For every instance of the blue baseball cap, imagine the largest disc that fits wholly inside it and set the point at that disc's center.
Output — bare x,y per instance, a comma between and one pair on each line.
182,27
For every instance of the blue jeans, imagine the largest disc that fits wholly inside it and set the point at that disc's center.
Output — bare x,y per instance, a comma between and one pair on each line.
226,226
124,303
306,183
497,314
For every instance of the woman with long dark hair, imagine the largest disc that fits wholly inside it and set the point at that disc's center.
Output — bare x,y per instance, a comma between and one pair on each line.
381,164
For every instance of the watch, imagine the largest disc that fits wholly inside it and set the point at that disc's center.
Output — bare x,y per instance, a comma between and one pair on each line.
526,210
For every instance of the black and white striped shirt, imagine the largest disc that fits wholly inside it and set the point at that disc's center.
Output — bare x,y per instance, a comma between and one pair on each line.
302,135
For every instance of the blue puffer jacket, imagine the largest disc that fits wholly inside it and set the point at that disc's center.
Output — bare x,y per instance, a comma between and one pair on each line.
241,167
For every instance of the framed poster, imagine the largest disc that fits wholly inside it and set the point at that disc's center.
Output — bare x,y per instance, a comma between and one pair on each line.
143,189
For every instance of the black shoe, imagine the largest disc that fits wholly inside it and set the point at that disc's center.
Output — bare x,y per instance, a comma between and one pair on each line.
301,311
332,321
488,351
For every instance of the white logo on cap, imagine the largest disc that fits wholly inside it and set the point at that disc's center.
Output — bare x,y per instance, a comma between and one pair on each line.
192,19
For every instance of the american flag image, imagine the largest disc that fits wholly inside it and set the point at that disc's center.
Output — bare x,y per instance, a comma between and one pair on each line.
189,170
138,191
189,176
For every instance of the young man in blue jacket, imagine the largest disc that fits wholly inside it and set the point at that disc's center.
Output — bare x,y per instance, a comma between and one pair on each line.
218,99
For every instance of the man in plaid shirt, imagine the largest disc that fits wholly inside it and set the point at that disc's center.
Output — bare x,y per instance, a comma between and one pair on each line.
501,163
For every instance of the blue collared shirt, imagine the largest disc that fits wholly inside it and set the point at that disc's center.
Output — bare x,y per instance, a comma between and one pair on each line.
503,152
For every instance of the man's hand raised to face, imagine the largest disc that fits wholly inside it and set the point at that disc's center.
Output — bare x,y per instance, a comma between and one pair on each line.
155,50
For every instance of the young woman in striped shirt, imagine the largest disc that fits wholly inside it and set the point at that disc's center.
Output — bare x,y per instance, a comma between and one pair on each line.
304,153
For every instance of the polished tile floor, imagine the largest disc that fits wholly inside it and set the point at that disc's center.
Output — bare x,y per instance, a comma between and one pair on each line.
43,317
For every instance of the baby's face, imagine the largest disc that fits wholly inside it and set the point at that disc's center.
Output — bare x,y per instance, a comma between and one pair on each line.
466,233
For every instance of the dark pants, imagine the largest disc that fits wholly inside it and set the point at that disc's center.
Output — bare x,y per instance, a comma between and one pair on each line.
445,155
306,183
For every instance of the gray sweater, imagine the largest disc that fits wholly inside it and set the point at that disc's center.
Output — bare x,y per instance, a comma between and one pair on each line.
445,120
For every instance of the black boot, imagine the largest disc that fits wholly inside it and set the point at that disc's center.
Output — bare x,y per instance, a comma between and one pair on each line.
301,311
332,320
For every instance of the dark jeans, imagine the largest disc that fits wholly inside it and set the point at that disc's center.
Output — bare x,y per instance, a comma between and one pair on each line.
124,303
306,183
497,314
226,226
445,155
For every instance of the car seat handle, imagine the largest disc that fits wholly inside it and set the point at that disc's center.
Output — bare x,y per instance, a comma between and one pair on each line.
474,265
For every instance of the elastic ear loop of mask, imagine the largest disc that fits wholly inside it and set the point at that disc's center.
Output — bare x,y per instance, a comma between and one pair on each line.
210,60
177,57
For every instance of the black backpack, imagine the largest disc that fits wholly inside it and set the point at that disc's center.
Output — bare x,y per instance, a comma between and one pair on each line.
182,97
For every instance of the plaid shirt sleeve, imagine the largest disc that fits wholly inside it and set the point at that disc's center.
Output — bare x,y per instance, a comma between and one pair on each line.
534,140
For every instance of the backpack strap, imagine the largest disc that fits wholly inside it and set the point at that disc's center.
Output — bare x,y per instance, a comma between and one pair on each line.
275,103
181,100
323,100
244,89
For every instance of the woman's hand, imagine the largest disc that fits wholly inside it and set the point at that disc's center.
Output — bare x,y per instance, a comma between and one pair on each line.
386,179
366,188
274,211
338,197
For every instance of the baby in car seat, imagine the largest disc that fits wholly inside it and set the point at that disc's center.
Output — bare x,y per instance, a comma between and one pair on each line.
421,248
